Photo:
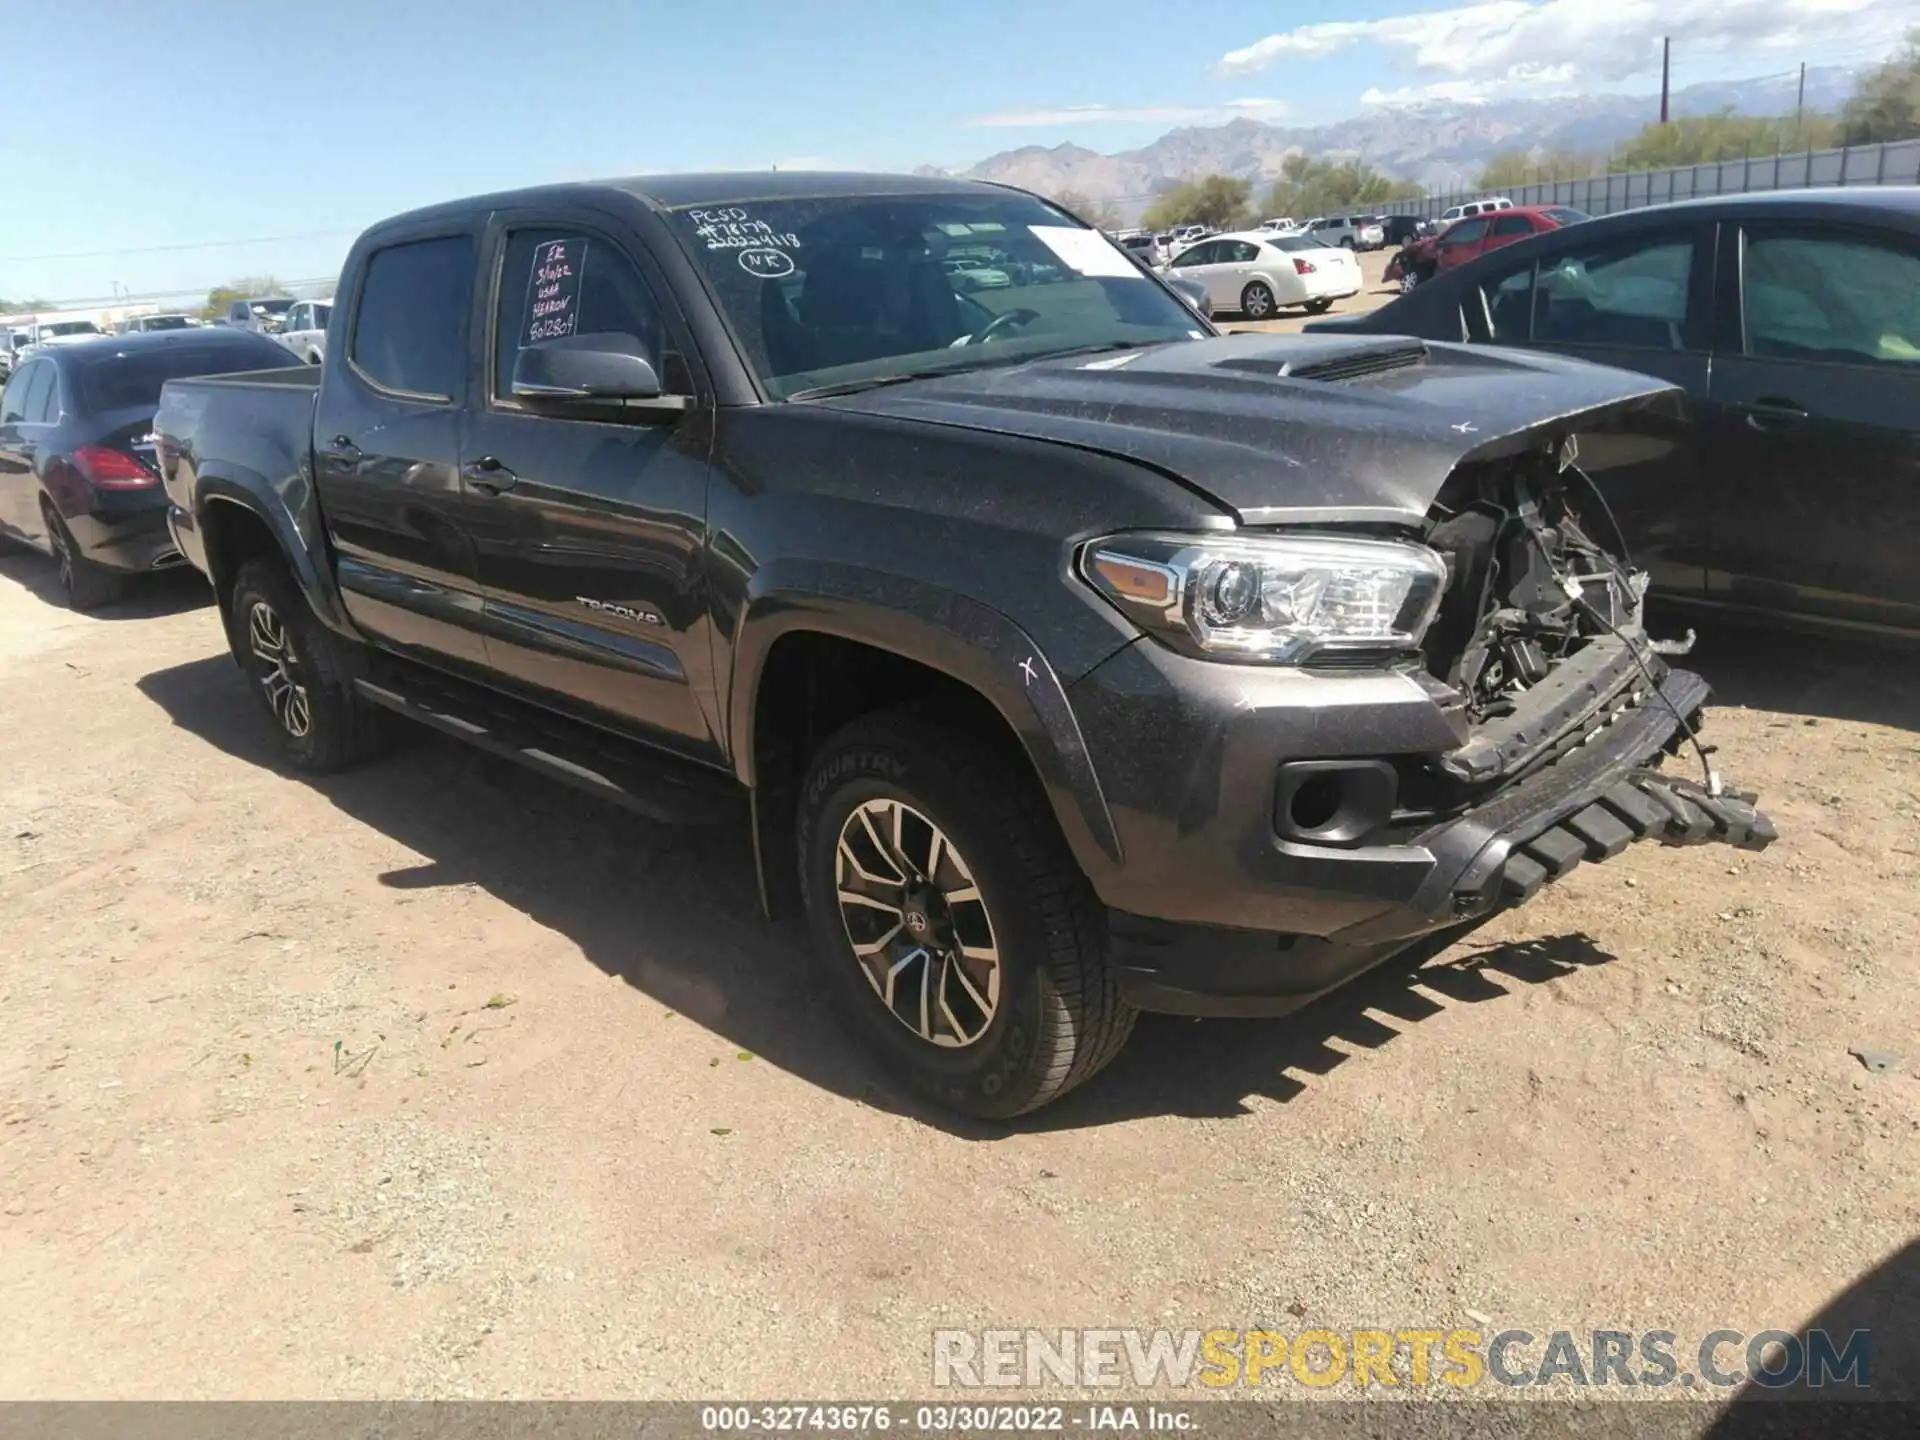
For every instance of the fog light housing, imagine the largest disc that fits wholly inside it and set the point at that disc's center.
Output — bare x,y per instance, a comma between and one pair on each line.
1333,802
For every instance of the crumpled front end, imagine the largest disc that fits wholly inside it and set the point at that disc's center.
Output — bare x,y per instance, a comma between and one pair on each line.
1294,829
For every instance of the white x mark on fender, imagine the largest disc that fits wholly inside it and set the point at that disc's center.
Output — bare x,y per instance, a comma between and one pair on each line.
1027,669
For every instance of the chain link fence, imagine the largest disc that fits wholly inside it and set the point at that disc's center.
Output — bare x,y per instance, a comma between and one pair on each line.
1896,162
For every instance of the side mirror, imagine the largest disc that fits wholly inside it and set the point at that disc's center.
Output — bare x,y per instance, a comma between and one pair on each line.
607,367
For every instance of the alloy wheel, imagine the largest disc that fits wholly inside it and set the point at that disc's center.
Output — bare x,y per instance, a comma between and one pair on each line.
273,662
918,926
62,556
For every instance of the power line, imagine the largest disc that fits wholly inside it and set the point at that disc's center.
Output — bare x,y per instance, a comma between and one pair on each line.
159,249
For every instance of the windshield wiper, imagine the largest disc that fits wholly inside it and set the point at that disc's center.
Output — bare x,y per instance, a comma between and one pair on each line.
874,382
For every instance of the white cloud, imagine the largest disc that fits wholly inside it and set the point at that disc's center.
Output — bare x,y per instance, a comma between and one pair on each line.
1255,109
1528,45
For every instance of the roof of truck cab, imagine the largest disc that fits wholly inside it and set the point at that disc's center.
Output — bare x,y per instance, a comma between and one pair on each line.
723,187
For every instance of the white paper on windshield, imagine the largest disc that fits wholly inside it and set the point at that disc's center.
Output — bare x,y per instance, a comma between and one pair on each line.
1087,251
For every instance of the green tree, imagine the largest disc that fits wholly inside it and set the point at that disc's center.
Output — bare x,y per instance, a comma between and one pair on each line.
1885,104
1323,187
1511,169
244,288
1703,139
1101,214
1219,201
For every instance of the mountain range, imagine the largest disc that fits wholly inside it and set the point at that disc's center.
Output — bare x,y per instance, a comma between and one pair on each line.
1442,145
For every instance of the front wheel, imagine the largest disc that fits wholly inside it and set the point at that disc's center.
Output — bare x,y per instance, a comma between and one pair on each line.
1256,301
1320,306
951,927
300,673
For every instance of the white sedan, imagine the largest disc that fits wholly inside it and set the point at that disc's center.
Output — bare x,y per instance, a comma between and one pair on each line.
1256,273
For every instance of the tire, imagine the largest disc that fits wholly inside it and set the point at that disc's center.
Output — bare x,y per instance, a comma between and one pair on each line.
1056,1018
320,724
86,585
1320,306
1257,302
1347,244
1409,282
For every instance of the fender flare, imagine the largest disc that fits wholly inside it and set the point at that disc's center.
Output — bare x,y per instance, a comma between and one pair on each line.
958,636
298,535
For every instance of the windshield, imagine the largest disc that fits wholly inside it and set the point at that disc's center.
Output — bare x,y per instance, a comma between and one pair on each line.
1295,242
1566,215
70,327
271,307
849,289
164,322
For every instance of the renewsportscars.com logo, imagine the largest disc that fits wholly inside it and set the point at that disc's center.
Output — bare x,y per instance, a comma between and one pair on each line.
1463,1359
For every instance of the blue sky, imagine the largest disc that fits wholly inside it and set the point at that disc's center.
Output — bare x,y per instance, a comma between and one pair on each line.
152,130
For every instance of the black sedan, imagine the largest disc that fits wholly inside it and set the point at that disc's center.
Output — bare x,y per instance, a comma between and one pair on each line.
77,478
1792,319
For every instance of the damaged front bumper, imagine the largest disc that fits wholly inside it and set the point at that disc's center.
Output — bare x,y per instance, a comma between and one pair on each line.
1221,915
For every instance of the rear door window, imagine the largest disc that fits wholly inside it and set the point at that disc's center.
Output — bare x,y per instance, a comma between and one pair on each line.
39,405
1833,298
1509,225
410,326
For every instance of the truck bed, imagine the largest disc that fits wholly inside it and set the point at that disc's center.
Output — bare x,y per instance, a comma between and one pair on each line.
217,432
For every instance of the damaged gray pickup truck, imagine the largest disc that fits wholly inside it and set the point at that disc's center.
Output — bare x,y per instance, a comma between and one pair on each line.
1071,658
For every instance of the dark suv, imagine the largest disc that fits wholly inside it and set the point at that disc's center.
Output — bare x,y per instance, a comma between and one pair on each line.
1070,658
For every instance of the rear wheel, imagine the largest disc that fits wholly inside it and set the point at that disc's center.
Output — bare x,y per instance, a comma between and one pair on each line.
87,585
300,672
951,927
1347,244
1256,301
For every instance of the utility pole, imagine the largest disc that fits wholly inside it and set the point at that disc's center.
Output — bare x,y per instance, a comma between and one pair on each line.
1800,96
1666,59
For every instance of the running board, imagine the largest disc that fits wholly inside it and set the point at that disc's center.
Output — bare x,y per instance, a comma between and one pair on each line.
654,784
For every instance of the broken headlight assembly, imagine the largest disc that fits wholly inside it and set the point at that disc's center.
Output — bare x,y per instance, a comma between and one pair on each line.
1269,599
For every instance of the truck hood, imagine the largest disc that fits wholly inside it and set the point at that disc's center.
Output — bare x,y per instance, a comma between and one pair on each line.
1280,429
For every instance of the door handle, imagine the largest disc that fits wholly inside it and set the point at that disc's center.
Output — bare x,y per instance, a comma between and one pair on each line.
1772,412
342,448
488,475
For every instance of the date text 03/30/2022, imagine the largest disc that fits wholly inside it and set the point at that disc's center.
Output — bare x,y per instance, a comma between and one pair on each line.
943,1419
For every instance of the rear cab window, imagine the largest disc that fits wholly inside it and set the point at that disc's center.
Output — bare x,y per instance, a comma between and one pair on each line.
410,322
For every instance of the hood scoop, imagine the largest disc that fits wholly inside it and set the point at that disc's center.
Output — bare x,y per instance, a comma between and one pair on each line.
1359,360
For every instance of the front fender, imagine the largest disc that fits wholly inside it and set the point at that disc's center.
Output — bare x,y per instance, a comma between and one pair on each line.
948,632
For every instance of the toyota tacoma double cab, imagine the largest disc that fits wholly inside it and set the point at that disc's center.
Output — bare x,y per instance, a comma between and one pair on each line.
1064,657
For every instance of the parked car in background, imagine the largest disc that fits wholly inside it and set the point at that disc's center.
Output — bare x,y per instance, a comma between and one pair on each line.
1474,207
150,324
1067,659
304,330
1792,320
1401,229
56,332
77,476
1143,247
1256,273
262,315
1473,237
12,343
1350,232
1278,226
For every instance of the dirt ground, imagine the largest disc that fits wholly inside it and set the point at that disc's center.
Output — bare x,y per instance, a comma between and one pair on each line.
436,1079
